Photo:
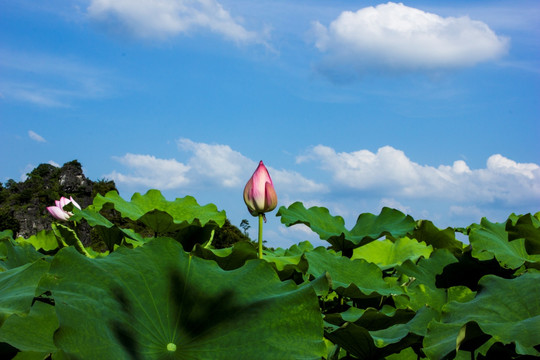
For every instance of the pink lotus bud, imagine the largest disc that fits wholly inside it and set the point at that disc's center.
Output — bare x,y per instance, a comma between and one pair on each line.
259,193
58,211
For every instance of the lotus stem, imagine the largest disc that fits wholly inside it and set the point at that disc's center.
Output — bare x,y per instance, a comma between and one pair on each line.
261,217
209,243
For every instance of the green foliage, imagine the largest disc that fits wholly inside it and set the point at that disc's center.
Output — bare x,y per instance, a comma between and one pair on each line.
8,221
368,227
102,187
492,241
182,300
502,310
23,204
228,235
388,254
172,285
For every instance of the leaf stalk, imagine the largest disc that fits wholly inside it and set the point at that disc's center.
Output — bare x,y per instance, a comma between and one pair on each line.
261,217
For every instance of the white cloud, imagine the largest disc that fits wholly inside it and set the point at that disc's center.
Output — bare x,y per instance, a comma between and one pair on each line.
360,181
398,37
221,165
218,164
293,182
209,166
35,136
288,236
27,169
164,18
394,204
390,173
151,172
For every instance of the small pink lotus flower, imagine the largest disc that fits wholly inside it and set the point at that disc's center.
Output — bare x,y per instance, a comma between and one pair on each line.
259,193
58,211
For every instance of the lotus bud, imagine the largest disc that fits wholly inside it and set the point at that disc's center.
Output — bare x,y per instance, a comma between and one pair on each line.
259,193
58,211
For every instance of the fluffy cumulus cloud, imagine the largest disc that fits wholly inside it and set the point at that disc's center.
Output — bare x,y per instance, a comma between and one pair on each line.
151,172
218,164
293,182
390,173
164,18
357,182
398,37
387,175
209,166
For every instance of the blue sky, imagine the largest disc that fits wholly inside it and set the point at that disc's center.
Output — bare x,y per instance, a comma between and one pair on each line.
429,107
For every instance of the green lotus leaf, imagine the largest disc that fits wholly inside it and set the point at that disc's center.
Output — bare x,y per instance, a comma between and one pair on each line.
320,285
506,309
441,339
428,233
18,287
373,319
287,264
469,270
111,234
228,258
318,219
160,214
529,219
68,237
296,249
35,355
44,239
33,332
94,218
490,240
460,294
395,333
421,289
368,227
405,354
358,342
390,222
525,227
388,254
6,234
157,301
14,254
353,278
352,314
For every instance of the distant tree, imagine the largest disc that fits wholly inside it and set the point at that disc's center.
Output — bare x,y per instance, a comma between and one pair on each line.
11,185
228,235
102,187
73,163
4,193
244,224
8,222
44,171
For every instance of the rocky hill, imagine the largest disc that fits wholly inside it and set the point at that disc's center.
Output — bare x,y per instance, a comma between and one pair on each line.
23,205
